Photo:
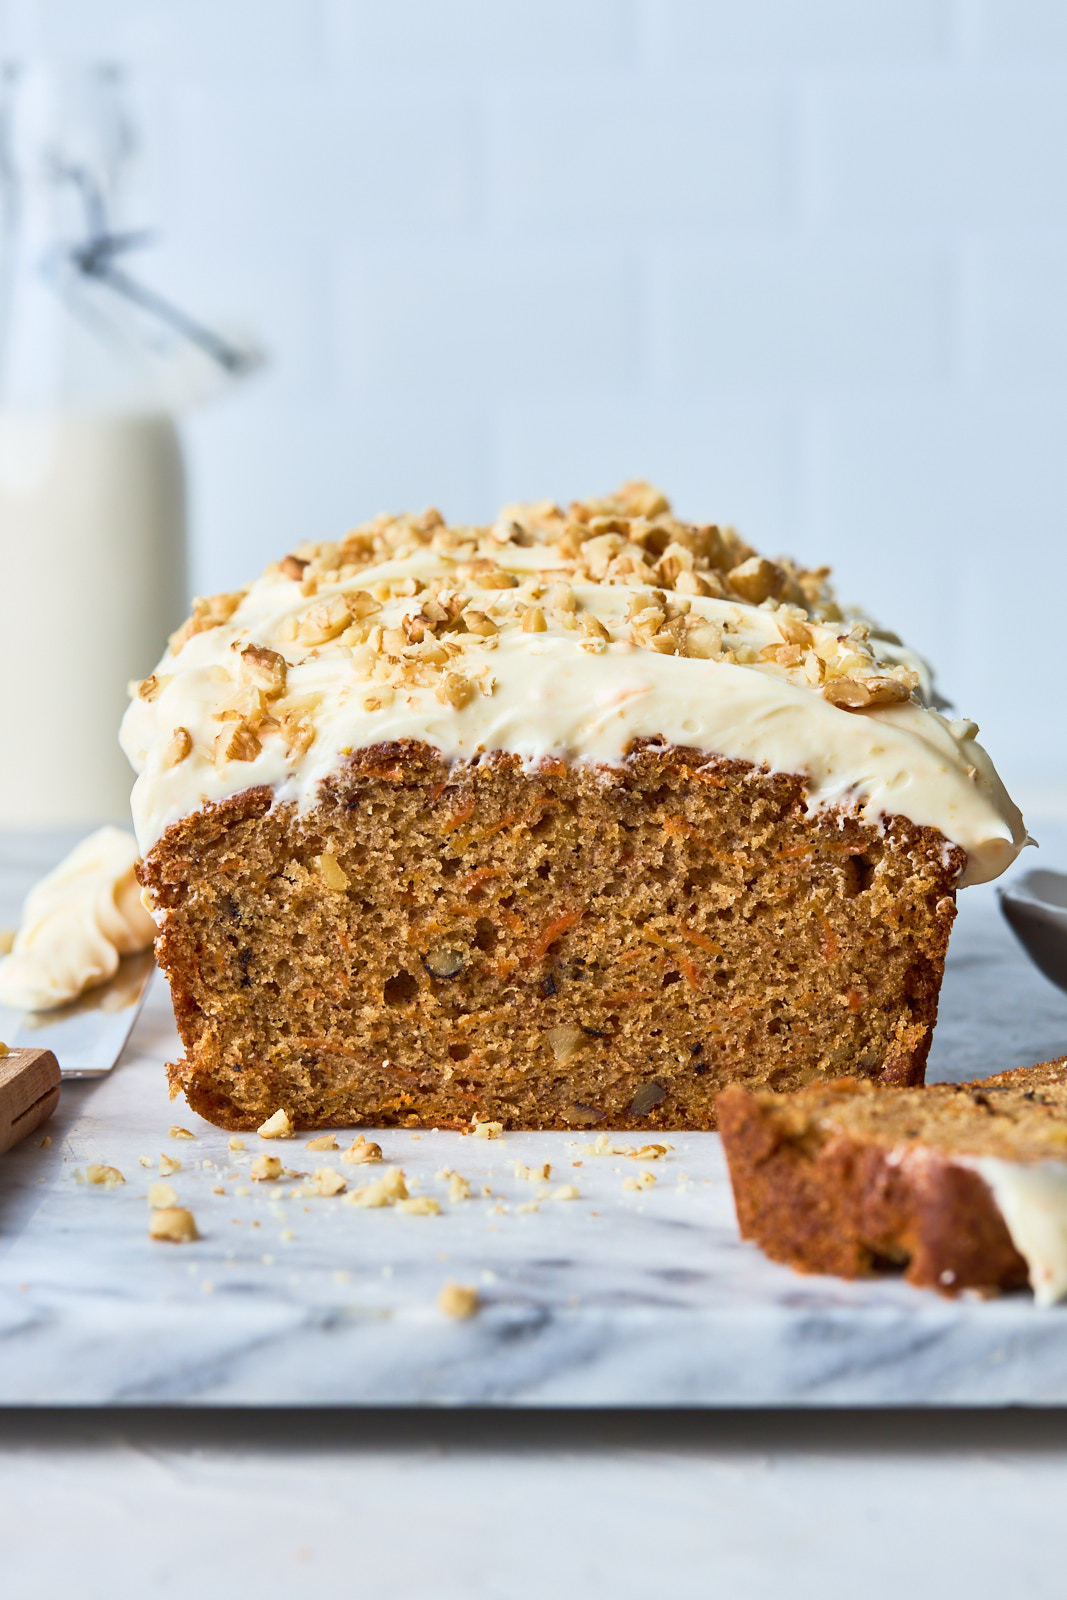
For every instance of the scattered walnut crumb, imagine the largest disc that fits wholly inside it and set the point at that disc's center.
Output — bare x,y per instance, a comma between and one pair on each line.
168,1165
388,1189
420,1205
643,1180
236,1144
538,1174
529,1205
362,1150
458,1186
276,1127
566,1191
328,1181
105,1177
46,1141
181,1133
287,1235
266,1168
173,1225
161,1195
488,1130
459,1300
144,1161
218,1189
602,1146
242,1191
326,1141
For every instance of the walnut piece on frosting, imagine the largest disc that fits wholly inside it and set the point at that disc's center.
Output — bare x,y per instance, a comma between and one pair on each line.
612,574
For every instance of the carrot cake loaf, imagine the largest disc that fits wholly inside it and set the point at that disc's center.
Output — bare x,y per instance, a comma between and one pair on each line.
963,1185
566,820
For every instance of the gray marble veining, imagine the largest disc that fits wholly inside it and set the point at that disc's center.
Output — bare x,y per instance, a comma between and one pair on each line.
619,1297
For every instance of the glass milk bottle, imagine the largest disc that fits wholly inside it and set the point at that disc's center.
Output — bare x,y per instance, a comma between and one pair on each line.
92,490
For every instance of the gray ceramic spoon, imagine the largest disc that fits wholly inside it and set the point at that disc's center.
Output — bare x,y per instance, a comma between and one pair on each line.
1035,905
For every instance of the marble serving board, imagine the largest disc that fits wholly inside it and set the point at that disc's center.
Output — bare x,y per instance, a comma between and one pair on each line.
621,1296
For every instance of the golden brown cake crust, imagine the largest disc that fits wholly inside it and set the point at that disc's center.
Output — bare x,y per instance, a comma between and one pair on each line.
848,1178
565,948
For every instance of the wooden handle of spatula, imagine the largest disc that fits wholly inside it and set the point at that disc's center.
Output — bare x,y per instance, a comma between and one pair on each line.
29,1093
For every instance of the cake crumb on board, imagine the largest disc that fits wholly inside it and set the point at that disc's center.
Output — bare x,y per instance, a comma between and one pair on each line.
173,1225
459,1300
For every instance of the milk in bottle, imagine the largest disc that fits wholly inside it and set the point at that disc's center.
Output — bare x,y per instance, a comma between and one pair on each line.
92,496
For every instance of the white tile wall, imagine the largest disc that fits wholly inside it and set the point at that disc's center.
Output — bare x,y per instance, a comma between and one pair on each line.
803,261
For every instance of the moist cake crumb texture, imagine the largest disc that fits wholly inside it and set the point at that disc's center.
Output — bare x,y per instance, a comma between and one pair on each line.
557,949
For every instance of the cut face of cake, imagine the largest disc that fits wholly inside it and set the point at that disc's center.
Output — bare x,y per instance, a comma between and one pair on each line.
569,820
964,1186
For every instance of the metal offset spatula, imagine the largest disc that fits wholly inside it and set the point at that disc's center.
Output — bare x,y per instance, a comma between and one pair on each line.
86,1036
81,1040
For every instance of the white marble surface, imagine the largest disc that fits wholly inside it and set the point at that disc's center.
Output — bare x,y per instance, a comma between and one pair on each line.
616,1298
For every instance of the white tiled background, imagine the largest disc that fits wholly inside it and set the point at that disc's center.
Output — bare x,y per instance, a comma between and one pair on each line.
804,262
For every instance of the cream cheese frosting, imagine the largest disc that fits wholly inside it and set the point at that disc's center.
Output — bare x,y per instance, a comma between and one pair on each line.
77,922
554,633
1032,1199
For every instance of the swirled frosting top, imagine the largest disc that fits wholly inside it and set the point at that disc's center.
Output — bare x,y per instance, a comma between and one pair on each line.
564,633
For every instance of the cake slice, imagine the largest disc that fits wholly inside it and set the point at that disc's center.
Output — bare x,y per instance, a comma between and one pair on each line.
963,1186
567,820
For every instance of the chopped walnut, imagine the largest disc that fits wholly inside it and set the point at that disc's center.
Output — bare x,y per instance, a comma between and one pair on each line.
173,1225
420,1205
458,1187
643,1180
488,1130
105,1177
298,731
328,1181
168,1165
755,580
161,1195
456,690
330,872
856,694
180,1133
265,670
479,623
243,744
459,1300
277,1126
326,1141
361,1150
565,1042
180,746
265,1169
389,1188
325,620
566,1191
